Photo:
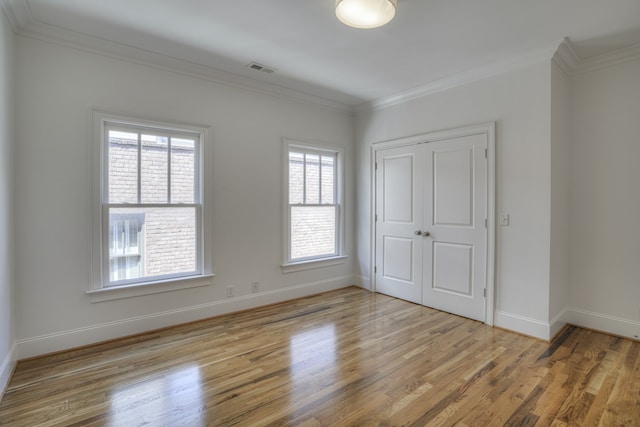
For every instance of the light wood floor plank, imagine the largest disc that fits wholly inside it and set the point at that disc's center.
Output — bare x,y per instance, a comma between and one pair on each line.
343,358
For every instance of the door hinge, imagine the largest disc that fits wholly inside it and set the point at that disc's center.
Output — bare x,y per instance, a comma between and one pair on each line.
375,269
485,292
376,165
376,217
485,223
485,153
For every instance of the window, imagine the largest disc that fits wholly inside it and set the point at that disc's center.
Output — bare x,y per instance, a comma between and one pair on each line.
314,203
125,246
149,214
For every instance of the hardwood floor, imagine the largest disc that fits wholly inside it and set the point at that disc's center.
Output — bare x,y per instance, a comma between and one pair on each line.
344,358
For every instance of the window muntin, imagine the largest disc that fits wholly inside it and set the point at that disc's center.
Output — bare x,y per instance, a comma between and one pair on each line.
313,206
152,205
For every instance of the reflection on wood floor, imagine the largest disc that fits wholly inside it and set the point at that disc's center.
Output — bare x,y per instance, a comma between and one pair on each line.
344,358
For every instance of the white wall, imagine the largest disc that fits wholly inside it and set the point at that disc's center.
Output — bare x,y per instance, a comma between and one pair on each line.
605,207
560,197
6,205
518,102
56,87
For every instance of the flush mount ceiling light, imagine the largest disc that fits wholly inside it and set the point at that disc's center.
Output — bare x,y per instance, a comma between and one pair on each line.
365,13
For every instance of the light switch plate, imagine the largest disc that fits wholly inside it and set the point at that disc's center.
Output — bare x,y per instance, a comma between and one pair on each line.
504,219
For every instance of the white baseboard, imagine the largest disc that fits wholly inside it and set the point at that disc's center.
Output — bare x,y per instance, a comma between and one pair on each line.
604,323
64,340
557,323
363,282
6,369
523,325
582,318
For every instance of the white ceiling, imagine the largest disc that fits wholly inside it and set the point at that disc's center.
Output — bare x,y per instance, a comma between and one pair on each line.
428,40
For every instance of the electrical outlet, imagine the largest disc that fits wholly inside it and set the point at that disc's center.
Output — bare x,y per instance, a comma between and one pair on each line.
255,287
504,219
229,291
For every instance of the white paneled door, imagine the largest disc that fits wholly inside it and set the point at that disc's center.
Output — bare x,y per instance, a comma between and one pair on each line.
431,236
399,180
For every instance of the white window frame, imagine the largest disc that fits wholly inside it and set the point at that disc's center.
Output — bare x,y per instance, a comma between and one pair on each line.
290,265
100,287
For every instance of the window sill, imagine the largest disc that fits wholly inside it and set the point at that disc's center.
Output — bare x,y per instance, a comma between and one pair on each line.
148,288
311,264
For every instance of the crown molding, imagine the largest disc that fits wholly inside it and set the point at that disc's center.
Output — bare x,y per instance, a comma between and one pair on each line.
462,78
562,54
571,63
25,25
609,59
17,12
565,57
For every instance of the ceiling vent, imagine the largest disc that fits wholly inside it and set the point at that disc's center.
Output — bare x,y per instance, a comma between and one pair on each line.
260,67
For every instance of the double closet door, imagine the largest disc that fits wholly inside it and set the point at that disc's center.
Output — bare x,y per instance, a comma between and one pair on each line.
431,235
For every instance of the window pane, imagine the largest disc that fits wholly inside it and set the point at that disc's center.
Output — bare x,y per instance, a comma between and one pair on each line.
155,169
296,178
313,231
149,242
183,162
328,180
123,167
313,178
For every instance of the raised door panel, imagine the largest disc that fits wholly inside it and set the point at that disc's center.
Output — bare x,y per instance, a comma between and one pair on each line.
453,268
453,187
398,189
397,262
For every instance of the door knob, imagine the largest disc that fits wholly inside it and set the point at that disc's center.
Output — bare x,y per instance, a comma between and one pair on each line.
418,233
426,233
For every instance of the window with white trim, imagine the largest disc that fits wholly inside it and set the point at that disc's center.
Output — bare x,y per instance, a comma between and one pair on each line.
149,200
314,214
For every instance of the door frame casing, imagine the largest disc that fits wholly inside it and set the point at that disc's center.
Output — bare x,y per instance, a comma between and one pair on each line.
489,130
